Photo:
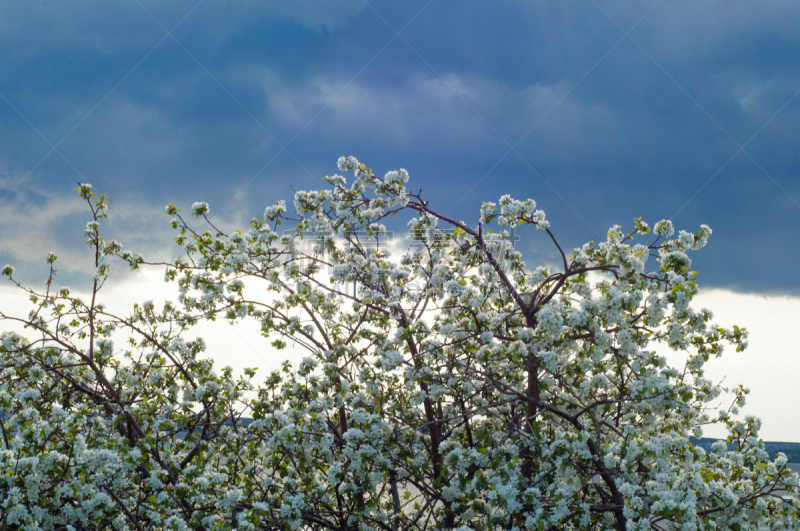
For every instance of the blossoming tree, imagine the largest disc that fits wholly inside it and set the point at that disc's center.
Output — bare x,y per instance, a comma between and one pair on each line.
450,387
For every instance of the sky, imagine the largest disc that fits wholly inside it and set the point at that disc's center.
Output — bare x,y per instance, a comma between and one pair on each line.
600,111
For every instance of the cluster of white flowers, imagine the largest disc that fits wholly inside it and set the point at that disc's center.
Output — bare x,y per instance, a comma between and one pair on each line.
273,211
391,359
664,228
512,210
199,208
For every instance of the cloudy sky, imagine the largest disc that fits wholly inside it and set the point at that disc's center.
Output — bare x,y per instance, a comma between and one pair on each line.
600,111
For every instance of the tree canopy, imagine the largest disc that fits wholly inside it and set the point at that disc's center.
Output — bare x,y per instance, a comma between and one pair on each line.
447,386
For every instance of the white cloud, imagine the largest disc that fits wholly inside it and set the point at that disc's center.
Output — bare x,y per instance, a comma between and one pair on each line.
770,366
751,97
30,219
37,220
393,112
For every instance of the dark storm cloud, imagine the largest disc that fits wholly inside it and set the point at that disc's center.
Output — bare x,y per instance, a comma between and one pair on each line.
605,127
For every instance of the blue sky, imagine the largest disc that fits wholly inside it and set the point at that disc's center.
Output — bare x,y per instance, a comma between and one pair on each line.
600,111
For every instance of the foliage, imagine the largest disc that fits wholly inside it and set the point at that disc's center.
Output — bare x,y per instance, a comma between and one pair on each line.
451,387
